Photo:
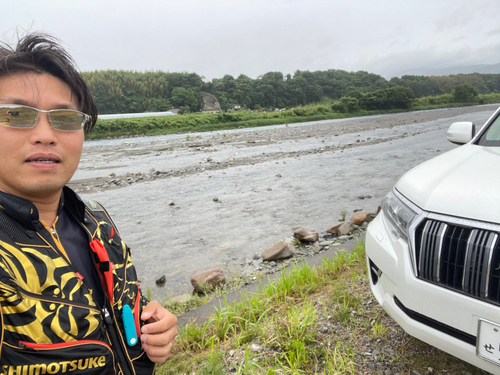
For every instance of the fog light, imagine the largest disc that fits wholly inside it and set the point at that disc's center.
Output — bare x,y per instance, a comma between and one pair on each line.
375,272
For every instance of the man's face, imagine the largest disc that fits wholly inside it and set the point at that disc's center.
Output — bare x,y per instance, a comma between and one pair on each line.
36,163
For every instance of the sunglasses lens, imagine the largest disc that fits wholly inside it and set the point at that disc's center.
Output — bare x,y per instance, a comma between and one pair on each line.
18,117
67,119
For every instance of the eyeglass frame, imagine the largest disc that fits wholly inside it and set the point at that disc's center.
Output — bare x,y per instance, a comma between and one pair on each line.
87,118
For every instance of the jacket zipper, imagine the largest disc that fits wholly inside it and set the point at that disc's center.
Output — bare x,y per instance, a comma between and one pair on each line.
117,345
22,292
33,346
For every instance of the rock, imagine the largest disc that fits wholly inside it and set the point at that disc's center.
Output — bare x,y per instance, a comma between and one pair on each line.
358,218
182,299
208,280
216,199
161,281
256,348
230,160
170,203
278,175
325,243
300,232
304,235
335,228
370,216
282,249
346,228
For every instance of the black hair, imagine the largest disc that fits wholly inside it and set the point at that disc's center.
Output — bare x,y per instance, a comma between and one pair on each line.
42,53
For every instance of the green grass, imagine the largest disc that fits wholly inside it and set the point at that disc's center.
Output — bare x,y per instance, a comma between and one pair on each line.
277,330
203,122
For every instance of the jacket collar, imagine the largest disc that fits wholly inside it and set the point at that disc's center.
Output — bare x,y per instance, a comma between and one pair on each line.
25,212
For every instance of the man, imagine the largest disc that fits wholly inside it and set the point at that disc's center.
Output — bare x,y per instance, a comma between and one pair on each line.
69,295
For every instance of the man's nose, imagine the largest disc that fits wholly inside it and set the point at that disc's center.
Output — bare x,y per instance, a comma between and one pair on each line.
43,132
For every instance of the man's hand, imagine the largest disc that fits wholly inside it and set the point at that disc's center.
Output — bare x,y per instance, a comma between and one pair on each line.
158,333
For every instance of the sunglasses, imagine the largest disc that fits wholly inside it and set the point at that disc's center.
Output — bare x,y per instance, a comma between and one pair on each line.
24,117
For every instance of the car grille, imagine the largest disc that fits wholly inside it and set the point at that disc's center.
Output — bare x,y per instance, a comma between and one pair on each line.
464,259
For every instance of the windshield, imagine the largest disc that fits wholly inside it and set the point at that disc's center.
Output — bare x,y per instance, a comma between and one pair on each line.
491,137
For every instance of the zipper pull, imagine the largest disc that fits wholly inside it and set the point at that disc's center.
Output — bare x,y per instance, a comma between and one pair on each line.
107,316
18,290
22,345
53,232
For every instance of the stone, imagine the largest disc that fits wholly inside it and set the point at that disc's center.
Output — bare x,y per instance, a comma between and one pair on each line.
370,216
335,228
358,218
306,236
346,228
325,243
161,280
278,175
216,199
170,203
208,280
283,249
182,299
256,348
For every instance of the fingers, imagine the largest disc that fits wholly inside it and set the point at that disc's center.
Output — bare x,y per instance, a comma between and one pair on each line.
158,354
159,331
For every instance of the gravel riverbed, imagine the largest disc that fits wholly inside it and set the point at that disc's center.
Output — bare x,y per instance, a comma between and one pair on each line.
193,202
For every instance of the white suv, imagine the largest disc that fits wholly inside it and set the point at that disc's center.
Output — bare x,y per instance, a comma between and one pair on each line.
433,252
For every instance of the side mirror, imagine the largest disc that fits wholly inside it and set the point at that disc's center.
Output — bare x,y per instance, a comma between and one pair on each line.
461,132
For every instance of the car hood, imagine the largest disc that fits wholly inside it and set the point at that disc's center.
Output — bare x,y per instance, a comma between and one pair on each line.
464,182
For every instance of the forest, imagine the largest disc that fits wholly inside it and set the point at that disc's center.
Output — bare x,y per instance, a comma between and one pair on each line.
118,91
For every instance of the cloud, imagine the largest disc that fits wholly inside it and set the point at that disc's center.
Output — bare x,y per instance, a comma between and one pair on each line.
253,37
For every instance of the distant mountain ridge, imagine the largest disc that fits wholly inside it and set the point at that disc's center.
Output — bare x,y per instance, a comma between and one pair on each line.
461,69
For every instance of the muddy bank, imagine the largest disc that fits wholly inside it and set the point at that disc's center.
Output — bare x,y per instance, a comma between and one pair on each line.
266,181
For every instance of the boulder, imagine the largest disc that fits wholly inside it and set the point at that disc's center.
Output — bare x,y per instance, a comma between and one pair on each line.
208,280
283,249
306,236
346,228
335,229
358,218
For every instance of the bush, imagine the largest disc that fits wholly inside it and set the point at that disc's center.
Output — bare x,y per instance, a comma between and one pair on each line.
464,93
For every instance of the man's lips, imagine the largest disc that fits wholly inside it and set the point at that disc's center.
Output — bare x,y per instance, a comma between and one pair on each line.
43,158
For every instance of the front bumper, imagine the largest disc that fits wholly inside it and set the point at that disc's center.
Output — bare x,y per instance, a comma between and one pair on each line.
440,317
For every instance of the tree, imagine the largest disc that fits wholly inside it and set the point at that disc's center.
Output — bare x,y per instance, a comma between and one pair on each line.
184,97
464,93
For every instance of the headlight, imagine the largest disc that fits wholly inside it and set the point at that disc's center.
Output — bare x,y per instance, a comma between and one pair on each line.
399,215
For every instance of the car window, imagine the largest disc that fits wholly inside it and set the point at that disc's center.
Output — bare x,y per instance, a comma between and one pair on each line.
491,137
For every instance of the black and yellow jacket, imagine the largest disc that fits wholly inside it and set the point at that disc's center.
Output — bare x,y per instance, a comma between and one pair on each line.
50,322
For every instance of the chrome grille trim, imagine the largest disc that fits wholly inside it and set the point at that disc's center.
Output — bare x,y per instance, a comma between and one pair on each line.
459,257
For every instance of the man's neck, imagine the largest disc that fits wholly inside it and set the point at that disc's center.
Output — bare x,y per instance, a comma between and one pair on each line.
47,208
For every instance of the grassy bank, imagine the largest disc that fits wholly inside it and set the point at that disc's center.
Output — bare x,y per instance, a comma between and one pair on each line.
202,122
320,320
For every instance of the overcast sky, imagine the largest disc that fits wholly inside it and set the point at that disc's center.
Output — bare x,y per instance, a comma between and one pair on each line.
252,37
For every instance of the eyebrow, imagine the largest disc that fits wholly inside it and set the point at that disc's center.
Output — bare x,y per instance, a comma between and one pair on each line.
14,100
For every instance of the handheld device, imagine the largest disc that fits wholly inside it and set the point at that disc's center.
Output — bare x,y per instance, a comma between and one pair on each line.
129,324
